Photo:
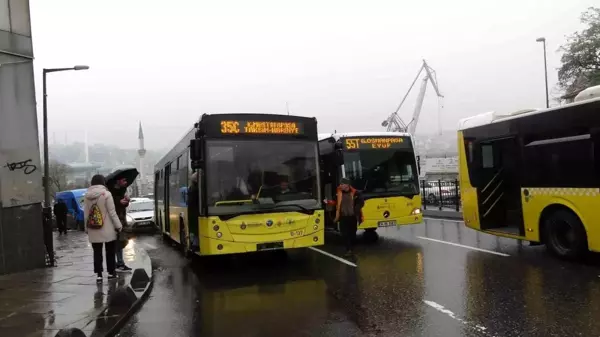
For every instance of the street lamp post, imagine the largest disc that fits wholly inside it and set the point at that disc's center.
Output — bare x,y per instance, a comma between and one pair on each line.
45,117
47,210
543,40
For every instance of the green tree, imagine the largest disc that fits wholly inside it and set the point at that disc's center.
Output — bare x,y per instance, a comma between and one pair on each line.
581,55
58,176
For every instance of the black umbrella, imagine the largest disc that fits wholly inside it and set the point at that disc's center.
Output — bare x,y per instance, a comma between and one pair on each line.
128,173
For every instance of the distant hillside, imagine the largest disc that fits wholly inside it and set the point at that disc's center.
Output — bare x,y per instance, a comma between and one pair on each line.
105,155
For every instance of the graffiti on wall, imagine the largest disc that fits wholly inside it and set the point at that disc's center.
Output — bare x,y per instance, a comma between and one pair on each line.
20,178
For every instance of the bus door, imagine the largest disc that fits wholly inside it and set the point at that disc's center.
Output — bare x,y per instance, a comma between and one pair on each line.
166,186
499,191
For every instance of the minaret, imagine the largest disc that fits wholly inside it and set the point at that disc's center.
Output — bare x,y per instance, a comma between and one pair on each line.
141,153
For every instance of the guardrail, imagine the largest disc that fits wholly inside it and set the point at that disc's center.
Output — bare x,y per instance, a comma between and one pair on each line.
441,194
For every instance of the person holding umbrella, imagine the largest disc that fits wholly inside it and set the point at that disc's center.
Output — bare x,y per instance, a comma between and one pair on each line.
117,183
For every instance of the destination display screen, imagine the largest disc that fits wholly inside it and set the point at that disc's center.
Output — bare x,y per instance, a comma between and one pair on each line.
376,143
261,127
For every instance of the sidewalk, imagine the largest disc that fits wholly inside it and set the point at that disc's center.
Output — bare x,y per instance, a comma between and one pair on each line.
41,302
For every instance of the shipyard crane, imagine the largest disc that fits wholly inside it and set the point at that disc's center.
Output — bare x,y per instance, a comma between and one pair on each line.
395,123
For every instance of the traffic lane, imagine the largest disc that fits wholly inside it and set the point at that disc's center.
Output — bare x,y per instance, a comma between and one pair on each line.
386,293
254,295
521,290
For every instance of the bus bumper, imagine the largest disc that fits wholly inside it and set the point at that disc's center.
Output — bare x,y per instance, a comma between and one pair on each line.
392,222
212,246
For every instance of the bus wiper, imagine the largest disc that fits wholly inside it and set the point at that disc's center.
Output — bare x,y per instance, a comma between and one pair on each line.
304,209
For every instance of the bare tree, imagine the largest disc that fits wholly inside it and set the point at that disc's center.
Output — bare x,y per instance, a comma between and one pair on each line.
58,176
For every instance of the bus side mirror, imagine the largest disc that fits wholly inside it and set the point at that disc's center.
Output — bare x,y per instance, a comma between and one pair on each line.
196,153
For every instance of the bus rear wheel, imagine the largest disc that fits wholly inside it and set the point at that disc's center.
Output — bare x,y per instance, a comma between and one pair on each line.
371,235
565,235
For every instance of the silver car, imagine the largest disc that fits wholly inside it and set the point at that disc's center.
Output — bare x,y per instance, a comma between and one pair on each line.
140,214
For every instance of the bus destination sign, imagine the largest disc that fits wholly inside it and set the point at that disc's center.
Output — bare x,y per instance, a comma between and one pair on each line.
375,143
261,127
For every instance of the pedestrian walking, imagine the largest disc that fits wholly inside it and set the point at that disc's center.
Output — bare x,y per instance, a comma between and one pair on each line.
101,224
60,213
348,213
118,188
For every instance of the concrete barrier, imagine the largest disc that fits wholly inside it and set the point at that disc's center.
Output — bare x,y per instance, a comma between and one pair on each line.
452,215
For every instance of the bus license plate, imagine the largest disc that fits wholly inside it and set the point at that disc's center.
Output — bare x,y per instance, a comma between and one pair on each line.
386,223
297,233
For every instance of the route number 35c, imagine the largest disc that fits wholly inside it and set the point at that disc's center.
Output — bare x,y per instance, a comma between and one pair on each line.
230,127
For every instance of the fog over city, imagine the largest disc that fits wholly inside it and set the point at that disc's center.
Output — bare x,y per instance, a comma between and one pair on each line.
348,63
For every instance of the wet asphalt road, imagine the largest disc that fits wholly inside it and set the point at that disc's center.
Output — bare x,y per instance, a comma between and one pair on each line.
404,285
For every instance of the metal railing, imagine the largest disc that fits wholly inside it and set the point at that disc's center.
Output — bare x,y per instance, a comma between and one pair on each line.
441,194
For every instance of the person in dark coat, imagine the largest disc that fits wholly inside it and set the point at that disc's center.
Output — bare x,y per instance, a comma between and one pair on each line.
60,212
118,189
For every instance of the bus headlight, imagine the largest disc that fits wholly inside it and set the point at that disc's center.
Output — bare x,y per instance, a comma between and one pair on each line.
219,234
315,227
415,211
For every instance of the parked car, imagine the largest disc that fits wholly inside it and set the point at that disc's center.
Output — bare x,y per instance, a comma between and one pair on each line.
140,215
432,192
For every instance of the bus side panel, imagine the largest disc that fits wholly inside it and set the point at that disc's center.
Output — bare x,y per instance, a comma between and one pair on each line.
174,214
582,201
468,193
399,209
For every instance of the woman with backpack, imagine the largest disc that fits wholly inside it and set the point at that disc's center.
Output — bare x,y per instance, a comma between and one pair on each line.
101,224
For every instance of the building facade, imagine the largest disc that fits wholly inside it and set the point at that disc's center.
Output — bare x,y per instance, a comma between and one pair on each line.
21,234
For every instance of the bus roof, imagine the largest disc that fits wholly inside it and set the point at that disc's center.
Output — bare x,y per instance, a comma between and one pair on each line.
337,136
490,117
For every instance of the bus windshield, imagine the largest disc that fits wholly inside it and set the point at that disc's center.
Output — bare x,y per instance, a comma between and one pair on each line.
382,172
250,176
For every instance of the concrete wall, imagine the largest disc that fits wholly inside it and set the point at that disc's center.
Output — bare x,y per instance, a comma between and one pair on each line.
21,235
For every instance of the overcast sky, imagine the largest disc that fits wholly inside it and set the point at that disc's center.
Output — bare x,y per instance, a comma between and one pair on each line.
348,63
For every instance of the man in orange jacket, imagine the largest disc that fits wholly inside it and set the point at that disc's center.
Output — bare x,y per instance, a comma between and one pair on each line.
348,212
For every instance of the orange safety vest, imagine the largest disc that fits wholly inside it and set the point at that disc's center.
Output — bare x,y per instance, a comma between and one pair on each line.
338,204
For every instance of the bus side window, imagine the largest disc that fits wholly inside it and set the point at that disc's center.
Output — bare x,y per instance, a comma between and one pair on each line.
487,156
328,192
470,152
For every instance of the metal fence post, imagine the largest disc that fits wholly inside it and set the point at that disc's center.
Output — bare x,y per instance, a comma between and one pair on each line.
456,194
423,195
441,198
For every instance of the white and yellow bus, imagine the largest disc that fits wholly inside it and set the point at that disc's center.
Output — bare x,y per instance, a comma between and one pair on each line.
383,167
258,183
534,175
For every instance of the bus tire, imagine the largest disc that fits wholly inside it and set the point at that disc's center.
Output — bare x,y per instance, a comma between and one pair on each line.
564,234
371,235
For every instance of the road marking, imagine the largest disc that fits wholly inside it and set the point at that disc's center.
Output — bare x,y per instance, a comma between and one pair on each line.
441,219
452,315
463,246
148,245
333,256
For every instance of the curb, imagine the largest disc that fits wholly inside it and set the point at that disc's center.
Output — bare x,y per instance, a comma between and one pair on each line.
133,308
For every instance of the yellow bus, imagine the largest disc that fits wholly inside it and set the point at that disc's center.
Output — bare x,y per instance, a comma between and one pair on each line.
257,182
532,175
383,167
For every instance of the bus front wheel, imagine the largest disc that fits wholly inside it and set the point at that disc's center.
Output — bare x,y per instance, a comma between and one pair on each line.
565,235
371,235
